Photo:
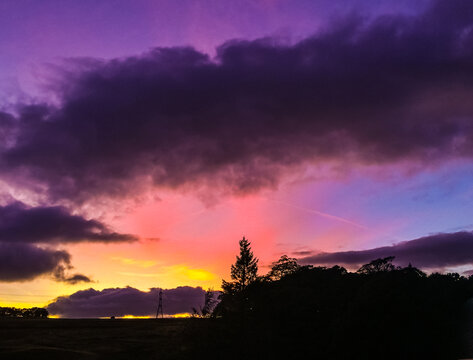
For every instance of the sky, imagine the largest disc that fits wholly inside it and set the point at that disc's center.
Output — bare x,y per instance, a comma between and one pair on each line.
140,140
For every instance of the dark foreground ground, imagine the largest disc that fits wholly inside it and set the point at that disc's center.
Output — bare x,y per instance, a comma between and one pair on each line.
96,339
70,339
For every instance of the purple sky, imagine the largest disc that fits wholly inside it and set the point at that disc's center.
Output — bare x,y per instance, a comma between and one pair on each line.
37,32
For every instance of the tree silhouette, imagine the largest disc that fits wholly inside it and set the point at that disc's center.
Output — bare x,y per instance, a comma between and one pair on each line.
284,266
378,265
245,269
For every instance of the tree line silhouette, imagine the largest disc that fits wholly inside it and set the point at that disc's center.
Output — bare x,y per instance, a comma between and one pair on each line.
380,311
27,313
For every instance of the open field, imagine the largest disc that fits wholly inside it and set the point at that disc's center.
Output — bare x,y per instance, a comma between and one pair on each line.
95,338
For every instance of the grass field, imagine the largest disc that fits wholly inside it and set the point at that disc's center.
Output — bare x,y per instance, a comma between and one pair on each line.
95,339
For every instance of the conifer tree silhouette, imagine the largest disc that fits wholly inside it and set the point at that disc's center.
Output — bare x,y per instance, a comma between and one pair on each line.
245,269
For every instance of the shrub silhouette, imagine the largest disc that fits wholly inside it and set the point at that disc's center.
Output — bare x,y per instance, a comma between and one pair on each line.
284,266
210,301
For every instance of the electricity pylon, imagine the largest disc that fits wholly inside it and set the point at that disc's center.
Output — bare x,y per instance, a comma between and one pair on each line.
160,305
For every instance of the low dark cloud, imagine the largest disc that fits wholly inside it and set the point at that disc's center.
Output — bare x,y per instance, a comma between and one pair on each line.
394,88
55,224
25,262
429,252
126,301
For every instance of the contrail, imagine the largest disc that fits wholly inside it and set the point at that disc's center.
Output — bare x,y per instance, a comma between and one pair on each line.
325,215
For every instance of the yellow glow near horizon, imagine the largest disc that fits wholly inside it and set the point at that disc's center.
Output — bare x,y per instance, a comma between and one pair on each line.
180,274
37,293
193,274
21,305
175,316
181,315
133,317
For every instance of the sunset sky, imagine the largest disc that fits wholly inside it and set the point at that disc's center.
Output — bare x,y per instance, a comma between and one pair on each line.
140,140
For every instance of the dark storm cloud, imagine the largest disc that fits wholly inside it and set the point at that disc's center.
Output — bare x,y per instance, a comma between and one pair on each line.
396,88
126,301
20,223
434,252
24,262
